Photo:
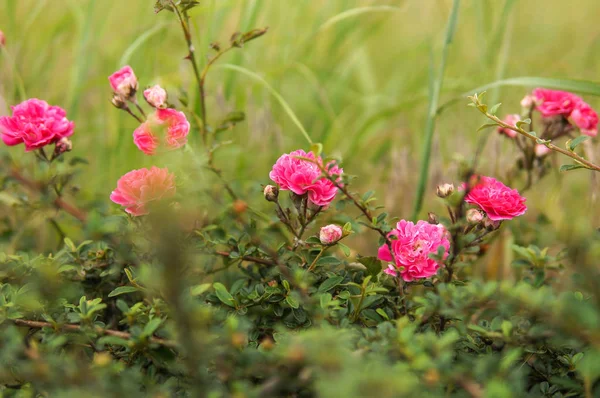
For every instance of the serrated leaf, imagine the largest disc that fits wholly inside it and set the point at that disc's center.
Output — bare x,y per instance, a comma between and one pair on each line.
123,290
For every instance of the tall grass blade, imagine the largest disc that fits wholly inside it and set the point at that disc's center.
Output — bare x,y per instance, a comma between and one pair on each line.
144,37
355,12
432,112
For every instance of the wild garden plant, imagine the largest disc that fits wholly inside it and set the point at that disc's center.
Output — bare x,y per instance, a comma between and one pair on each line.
275,301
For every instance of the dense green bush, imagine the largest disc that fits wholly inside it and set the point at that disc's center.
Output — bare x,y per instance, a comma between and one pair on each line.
241,300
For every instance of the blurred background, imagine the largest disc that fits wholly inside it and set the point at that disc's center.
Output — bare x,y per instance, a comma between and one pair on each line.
354,72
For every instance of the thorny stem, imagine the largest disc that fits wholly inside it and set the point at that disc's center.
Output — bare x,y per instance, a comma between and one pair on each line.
585,163
96,329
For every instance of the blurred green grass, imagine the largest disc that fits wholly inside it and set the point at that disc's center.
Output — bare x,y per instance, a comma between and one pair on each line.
358,82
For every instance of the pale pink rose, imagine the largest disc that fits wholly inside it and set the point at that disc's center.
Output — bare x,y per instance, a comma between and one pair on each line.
474,216
2,39
156,96
511,120
124,82
497,200
36,124
412,244
165,128
330,234
555,102
138,189
541,150
585,118
304,177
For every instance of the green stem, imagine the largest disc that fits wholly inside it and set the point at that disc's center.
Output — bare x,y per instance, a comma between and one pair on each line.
314,263
432,112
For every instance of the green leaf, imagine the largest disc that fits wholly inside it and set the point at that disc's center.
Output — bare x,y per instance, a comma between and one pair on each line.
328,260
223,295
292,302
123,290
316,148
495,108
569,167
151,327
344,249
372,263
199,289
69,243
330,283
486,126
572,144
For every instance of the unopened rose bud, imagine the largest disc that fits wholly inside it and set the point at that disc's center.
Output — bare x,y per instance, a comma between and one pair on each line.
118,102
491,225
432,218
156,96
541,150
330,234
272,283
445,190
527,102
474,216
271,193
2,39
62,146
124,82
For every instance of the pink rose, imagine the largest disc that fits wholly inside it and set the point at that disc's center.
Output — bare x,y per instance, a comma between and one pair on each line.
541,150
124,82
166,128
36,124
511,120
585,118
139,188
555,102
330,234
156,96
497,200
305,177
412,244
2,39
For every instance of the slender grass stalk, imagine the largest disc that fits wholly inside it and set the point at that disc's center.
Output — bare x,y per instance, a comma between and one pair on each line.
432,111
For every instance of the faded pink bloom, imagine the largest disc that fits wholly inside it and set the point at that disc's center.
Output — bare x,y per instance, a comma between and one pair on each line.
36,124
527,102
585,118
124,82
302,176
497,200
330,234
156,96
412,244
474,216
137,189
166,128
541,150
555,102
2,39
510,119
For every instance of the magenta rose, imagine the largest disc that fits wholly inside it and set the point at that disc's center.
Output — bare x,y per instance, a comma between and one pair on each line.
137,189
555,102
2,39
497,200
124,82
304,177
412,244
35,124
585,118
165,128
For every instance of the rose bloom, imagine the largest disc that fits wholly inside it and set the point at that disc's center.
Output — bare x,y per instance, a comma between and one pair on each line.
497,200
555,102
35,124
156,96
137,189
124,82
167,128
585,118
512,120
541,150
412,244
330,234
2,39
302,176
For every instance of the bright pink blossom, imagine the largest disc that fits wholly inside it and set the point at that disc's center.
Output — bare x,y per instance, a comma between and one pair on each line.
166,128
510,119
412,244
555,102
585,118
124,82
497,200
137,189
305,177
330,234
156,96
36,124
2,39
